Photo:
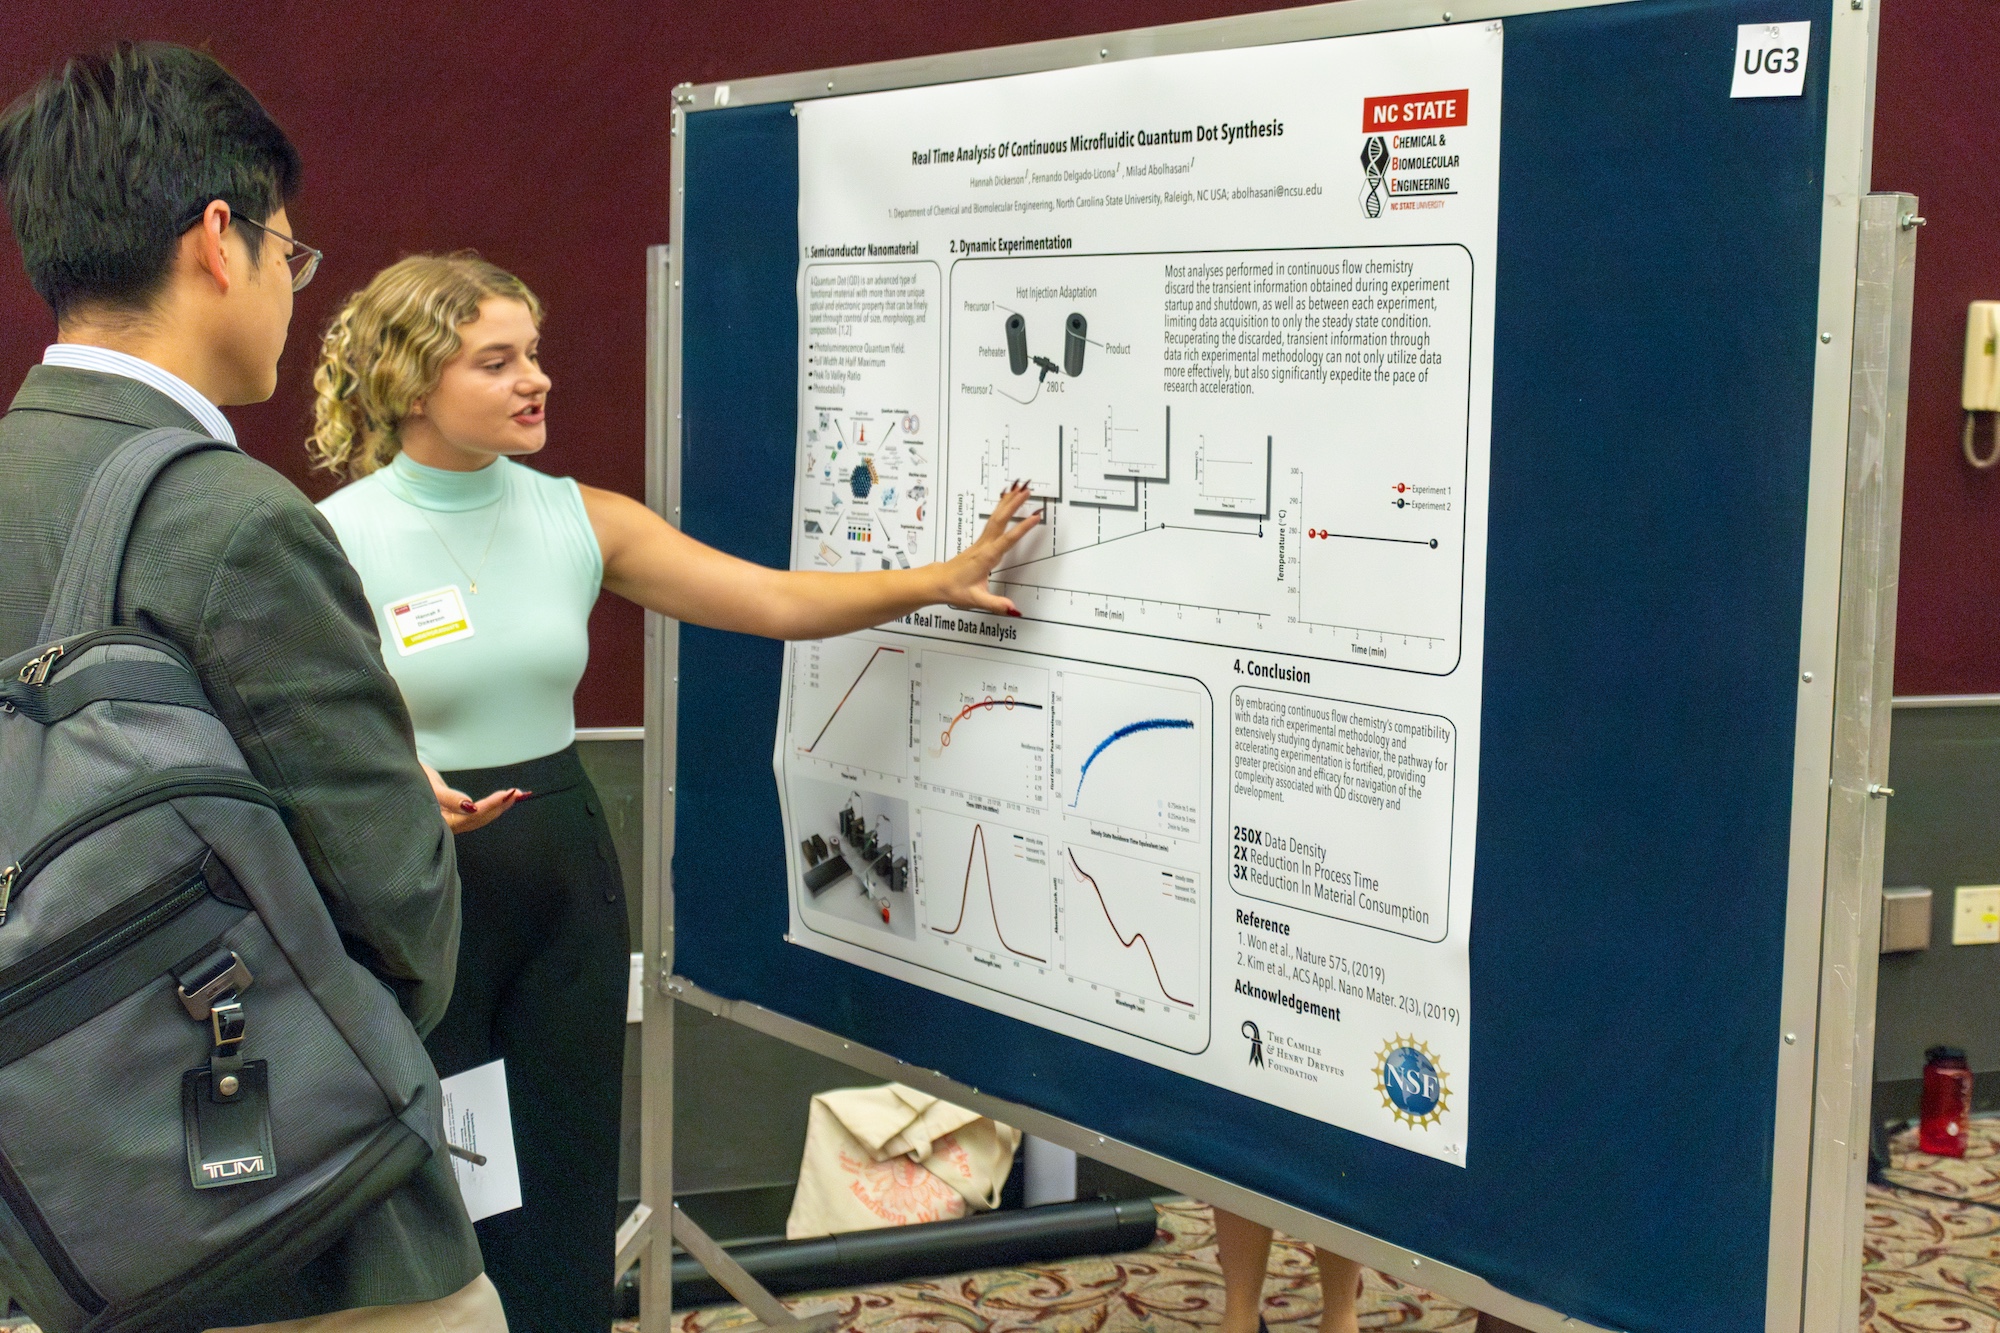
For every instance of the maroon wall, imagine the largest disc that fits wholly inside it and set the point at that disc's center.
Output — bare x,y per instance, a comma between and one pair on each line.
537,134
1939,71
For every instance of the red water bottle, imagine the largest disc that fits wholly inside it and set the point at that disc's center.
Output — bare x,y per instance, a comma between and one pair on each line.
1947,1102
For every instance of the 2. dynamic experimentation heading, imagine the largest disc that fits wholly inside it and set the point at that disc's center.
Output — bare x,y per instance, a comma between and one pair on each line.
1103,141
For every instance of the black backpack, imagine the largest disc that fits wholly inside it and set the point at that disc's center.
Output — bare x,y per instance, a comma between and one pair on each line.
197,1084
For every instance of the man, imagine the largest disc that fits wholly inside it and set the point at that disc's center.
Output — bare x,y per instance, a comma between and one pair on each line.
147,189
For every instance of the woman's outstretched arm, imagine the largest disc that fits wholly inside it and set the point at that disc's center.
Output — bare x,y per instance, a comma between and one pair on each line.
649,561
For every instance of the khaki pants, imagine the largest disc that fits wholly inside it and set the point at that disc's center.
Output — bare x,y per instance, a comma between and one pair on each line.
474,1308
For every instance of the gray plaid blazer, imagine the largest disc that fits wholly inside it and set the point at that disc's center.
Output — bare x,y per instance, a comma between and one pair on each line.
233,565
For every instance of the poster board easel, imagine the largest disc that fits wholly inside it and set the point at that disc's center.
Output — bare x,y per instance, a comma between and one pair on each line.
1846,634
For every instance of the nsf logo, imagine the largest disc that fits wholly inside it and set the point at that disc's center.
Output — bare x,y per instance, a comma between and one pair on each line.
1412,1085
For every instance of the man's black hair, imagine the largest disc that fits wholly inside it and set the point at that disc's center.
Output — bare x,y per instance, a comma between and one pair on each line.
106,164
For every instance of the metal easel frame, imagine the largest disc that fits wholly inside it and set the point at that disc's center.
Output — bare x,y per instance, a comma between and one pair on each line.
1826,1029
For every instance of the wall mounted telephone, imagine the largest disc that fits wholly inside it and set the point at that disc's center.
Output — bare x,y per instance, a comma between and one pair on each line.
1982,375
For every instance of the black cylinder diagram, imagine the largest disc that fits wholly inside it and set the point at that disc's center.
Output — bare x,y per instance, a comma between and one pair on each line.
1074,329
1017,344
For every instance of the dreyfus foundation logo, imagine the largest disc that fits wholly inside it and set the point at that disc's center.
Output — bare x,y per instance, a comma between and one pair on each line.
1408,153
1256,1039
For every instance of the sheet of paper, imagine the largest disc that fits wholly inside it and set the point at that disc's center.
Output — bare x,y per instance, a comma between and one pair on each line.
1771,59
476,1118
1210,801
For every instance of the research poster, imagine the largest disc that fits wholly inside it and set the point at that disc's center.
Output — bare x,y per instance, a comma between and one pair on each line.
1210,800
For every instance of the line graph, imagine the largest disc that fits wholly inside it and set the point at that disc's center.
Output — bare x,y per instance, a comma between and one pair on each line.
1129,729
1130,451
820,735
1135,944
1009,865
1010,704
1297,520
1085,481
984,723
1138,937
849,710
1233,480
1376,571
1130,751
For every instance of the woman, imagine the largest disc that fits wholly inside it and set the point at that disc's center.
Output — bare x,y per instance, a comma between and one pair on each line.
1243,1250
482,574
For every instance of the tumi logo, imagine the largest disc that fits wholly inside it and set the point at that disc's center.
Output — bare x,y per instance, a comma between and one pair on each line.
234,1167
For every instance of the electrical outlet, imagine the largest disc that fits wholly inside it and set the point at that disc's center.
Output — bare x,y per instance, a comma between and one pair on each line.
1975,916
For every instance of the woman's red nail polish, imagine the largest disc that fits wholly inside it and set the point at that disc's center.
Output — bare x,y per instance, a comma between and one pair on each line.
468,807
1012,612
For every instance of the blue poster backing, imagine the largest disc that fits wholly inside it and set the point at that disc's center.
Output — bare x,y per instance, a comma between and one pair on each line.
1654,351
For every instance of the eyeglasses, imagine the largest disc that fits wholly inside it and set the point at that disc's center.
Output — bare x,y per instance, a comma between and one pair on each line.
303,261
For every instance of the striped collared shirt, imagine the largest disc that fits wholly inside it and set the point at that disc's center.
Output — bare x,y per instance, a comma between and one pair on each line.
82,356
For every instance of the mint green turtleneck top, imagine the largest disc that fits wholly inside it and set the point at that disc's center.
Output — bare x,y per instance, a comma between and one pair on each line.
489,676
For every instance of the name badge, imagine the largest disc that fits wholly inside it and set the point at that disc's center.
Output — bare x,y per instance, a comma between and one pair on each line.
428,619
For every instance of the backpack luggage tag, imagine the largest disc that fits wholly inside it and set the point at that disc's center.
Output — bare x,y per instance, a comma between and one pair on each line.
225,1104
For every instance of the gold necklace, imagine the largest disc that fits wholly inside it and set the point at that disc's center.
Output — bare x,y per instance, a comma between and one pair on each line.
471,575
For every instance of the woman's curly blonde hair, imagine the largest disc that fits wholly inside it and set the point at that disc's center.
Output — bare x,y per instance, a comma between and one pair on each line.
386,349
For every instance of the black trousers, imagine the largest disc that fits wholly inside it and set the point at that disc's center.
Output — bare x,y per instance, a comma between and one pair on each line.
543,962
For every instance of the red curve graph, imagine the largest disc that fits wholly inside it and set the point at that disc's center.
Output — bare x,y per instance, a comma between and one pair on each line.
965,896
850,690
1138,937
1010,703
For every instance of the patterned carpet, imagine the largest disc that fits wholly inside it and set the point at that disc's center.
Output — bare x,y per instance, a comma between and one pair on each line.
1173,1287
1931,1266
